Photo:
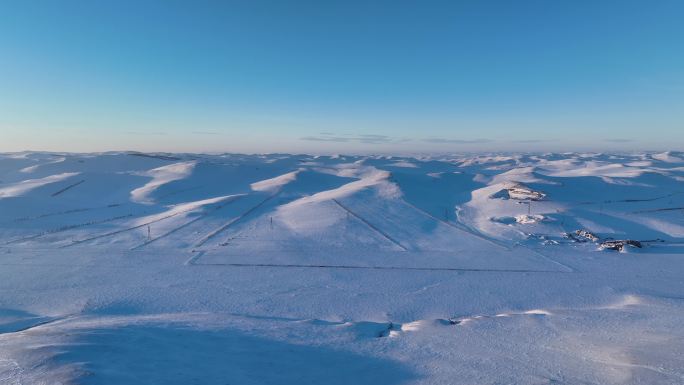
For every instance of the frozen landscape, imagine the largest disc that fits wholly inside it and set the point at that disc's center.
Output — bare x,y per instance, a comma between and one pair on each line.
136,268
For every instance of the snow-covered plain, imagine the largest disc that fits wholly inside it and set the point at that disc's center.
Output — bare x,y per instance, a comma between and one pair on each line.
129,268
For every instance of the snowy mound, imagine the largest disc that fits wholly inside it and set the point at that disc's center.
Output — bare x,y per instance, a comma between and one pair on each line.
180,268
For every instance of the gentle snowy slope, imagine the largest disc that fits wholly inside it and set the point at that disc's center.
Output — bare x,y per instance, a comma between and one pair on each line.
293,269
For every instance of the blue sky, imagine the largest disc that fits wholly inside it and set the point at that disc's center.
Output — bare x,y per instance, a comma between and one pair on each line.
341,76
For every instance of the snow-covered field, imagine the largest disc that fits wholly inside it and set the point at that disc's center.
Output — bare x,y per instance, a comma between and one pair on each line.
129,268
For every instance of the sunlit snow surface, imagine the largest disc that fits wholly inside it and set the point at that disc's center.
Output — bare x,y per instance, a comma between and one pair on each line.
128,268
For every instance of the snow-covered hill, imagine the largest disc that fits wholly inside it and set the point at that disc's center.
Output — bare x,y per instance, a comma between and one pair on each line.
181,268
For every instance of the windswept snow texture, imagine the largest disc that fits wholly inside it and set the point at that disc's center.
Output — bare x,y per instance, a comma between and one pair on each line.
131,268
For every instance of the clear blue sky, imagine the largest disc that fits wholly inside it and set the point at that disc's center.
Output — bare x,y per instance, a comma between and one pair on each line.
347,76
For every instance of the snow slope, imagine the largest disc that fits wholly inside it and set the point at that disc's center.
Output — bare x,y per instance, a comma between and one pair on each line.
131,268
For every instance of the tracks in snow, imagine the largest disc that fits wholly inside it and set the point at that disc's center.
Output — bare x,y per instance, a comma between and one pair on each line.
457,226
370,225
74,243
112,233
72,211
225,226
65,189
186,224
67,228
193,262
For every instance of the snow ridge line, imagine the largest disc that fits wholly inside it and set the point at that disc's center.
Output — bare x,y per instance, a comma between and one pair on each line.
38,324
373,227
233,221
